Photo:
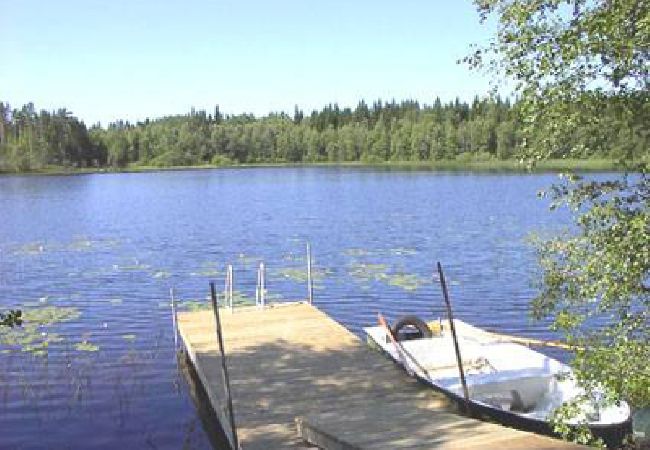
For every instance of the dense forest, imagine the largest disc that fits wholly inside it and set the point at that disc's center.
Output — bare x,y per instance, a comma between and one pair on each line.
486,129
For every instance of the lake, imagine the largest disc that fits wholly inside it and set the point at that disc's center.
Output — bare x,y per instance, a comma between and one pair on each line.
91,259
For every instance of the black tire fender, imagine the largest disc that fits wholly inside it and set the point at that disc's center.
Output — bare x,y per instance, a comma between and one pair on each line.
414,322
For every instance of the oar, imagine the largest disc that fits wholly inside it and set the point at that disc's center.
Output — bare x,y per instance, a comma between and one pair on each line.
396,345
455,338
399,348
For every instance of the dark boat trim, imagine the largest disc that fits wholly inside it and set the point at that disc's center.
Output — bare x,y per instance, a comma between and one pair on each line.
613,435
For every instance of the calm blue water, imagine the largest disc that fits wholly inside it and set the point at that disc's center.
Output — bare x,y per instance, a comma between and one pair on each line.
111,246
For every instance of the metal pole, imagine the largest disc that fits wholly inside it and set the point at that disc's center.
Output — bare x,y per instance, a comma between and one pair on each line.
225,286
230,283
257,287
310,285
224,366
455,338
262,284
174,318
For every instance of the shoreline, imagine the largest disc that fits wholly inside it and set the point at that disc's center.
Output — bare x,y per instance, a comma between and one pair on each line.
496,166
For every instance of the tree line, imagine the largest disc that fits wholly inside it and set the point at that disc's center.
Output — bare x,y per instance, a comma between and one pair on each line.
382,132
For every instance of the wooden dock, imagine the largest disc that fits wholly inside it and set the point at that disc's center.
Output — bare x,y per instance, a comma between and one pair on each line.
297,375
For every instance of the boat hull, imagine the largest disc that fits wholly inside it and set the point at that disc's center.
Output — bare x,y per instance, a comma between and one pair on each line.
613,435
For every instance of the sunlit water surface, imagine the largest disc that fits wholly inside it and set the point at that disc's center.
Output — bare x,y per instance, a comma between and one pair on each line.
91,259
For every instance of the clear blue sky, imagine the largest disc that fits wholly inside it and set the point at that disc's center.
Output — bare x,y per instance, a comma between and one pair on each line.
106,60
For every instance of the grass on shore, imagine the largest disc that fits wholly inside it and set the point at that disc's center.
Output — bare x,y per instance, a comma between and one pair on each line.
494,165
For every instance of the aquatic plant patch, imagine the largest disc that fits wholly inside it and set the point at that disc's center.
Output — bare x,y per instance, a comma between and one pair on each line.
133,267
34,336
161,274
85,346
401,251
356,252
207,273
48,315
32,248
367,272
192,305
300,274
406,281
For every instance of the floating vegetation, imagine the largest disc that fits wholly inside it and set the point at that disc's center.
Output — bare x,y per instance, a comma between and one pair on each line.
48,315
84,243
133,264
28,339
32,304
85,346
115,301
161,274
368,272
401,251
11,318
80,244
206,273
133,267
406,281
33,248
32,336
208,269
300,274
247,260
356,252
194,305
292,274
239,298
129,337
293,257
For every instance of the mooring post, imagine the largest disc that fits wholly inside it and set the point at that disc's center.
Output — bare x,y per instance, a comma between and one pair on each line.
174,318
310,285
224,366
459,360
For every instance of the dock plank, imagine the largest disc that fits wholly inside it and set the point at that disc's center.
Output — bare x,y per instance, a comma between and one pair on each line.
293,361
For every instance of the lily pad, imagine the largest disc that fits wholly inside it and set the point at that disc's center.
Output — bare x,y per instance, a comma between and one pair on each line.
85,346
48,315
247,260
355,252
300,274
240,298
134,267
162,274
401,251
33,248
80,244
206,273
406,281
367,272
194,305
28,338
31,336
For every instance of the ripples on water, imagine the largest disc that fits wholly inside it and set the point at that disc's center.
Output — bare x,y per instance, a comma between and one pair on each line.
110,246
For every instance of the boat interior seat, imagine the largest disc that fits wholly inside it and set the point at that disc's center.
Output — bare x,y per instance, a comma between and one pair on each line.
519,394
